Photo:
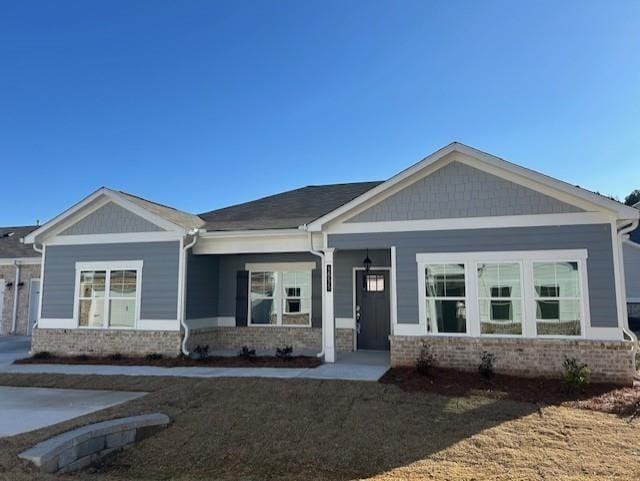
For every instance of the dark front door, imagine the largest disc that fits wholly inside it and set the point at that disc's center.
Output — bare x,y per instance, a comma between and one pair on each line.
372,309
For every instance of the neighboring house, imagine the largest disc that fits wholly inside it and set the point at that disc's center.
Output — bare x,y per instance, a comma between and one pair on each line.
463,250
19,281
632,271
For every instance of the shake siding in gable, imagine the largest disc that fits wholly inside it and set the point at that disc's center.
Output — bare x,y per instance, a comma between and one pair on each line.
595,238
111,219
458,190
159,276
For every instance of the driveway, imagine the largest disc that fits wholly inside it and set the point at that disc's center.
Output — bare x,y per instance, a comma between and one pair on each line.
24,409
13,347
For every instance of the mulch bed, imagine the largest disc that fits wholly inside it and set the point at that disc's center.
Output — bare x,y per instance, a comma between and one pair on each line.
211,361
608,398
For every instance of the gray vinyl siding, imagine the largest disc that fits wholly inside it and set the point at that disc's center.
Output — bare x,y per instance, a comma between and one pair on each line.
159,297
202,286
343,264
632,270
595,238
229,265
111,219
459,190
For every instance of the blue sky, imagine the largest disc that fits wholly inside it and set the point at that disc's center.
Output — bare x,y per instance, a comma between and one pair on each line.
204,104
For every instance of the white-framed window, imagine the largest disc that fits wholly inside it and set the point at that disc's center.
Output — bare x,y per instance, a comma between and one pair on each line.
280,294
107,294
557,298
446,298
517,293
500,298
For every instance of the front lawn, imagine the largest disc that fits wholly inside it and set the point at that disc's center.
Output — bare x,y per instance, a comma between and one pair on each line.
268,429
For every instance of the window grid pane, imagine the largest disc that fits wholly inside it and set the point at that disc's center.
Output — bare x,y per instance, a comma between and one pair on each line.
499,296
557,298
446,302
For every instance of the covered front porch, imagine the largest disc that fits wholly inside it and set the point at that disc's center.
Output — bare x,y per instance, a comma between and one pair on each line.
324,302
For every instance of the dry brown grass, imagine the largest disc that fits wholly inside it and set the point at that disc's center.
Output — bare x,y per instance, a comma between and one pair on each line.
267,429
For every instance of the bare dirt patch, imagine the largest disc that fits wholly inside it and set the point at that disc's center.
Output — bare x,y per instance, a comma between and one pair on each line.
608,398
273,429
182,361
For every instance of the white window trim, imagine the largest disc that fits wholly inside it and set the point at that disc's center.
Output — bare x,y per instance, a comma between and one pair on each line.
107,266
466,299
526,258
278,269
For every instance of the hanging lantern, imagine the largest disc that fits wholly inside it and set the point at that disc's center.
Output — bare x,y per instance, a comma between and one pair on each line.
367,267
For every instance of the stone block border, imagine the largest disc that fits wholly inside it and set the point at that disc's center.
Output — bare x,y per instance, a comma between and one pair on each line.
78,448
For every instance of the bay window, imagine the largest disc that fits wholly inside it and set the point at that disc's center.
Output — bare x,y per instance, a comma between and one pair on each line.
516,293
280,294
107,294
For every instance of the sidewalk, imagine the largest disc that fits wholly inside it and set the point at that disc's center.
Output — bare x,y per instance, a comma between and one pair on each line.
358,366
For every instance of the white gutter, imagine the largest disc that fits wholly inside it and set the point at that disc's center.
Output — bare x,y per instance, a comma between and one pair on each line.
183,307
622,232
14,319
320,254
39,251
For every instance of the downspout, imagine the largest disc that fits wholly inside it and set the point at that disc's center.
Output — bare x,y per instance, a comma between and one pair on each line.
625,328
183,307
320,254
14,319
39,251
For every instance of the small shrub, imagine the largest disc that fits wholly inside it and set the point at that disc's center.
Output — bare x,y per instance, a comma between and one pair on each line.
153,356
246,352
284,353
116,356
82,357
425,361
486,368
201,352
42,355
576,374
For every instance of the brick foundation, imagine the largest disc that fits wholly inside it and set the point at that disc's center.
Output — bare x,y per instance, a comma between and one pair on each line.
96,342
263,337
609,361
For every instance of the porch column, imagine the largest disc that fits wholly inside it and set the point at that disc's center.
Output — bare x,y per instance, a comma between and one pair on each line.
328,319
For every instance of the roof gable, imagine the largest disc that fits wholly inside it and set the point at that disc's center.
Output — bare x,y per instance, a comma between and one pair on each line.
157,216
458,190
110,218
562,191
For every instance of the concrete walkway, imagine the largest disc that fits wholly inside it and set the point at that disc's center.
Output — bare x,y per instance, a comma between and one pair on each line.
356,366
24,409
13,347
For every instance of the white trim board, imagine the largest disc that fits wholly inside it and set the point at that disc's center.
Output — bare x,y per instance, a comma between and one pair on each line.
280,266
114,238
461,223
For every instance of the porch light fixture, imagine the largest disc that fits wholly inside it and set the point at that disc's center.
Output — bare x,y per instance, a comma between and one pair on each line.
367,267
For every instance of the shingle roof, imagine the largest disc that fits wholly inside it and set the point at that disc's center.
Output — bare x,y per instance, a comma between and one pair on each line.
286,210
181,218
10,245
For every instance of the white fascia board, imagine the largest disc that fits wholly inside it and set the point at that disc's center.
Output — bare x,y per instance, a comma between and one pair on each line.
22,261
536,220
90,204
251,233
556,188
